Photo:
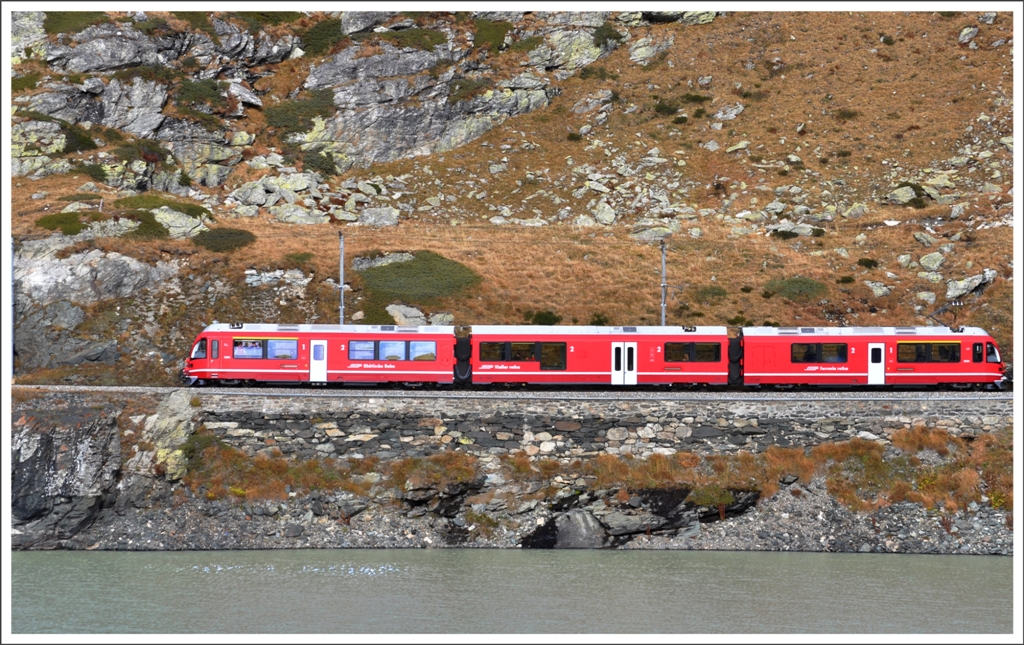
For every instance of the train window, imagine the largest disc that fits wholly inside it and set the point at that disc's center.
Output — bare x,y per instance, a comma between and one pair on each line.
912,352
523,352
492,351
804,353
199,351
318,352
391,350
876,354
215,349
707,352
946,353
552,356
677,352
247,348
979,353
421,350
618,359
992,355
833,352
284,349
360,350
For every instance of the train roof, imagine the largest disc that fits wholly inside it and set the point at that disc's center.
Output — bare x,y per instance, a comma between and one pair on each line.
326,329
592,330
862,331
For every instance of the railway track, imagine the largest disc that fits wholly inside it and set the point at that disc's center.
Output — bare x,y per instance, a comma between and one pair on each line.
703,395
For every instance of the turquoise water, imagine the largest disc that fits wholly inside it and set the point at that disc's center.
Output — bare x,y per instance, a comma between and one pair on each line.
495,591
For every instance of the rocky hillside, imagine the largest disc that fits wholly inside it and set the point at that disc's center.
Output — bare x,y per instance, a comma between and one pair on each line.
171,168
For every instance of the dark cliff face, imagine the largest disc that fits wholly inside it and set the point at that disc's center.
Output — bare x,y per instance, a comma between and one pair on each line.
65,466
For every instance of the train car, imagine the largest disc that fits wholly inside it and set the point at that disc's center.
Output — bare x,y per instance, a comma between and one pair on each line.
597,355
882,356
364,354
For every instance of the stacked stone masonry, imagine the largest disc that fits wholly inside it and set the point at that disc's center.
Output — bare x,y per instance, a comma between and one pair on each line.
397,428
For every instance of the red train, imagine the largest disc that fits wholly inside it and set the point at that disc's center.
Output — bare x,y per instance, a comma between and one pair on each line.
614,356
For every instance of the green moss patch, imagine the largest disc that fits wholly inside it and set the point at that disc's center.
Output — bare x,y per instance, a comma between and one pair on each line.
297,115
422,281
71,22
224,240
68,223
25,82
256,20
149,201
321,37
491,34
149,228
797,289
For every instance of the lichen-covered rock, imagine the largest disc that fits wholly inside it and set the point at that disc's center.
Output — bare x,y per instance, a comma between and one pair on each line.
355,21
178,224
296,214
26,32
107,46
901,195
406,316
384,216
569,50
134,108
958,288
878,289
932,261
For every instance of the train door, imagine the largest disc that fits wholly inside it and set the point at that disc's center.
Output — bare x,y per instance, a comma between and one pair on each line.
624,358
318,361
876,363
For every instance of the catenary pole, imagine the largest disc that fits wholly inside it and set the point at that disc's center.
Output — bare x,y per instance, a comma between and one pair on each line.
664,284
341,272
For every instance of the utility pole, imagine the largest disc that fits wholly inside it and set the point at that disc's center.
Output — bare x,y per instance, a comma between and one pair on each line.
664,284
341,271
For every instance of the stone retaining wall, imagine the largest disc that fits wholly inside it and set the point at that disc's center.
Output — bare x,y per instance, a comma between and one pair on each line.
415,427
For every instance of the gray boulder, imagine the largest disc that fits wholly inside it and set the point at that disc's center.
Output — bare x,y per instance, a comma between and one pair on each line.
63,466
355,21
384,216
958,288
619,523
878,289
295,214
26,31
579,529
406,316
107,47
569,50
901,195
362,264
178,224
134,108
932,261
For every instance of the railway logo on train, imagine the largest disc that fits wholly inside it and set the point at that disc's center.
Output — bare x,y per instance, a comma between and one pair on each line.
586,355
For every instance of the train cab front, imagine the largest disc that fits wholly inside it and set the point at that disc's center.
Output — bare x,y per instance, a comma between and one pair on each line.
994,359
197,366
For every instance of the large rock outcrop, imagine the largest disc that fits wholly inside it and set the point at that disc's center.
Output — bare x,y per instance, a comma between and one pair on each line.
64,467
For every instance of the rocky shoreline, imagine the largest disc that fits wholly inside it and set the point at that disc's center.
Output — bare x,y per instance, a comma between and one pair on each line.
797,518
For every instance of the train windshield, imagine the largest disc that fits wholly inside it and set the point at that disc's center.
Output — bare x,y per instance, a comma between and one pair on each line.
199,351
992,353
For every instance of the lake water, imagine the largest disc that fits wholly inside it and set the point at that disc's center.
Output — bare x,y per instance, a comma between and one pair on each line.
496,591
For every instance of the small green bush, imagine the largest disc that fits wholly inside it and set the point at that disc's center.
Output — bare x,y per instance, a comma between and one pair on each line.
709,294
184,179
690,97
461,89
785,235
574,136
140,150
599,320
845,114
737,320
156,73
190,62
68,223
867,263
710,496
209,122
25,82
425,39
607,35
149,201
113,135
491,34
72,22
256,20
888,40
153,25
782,172
846,279
766,294
206,91
746,289
526,44
314,160
297,115
223,240
599,73
843,153
199,21
94,171
679,120
149,228
544,318
699,112
797,289
664,107
76,139
321,37
817,232
918,202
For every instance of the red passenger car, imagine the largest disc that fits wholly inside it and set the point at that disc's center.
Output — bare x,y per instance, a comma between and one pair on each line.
869,356
322,354
599,355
